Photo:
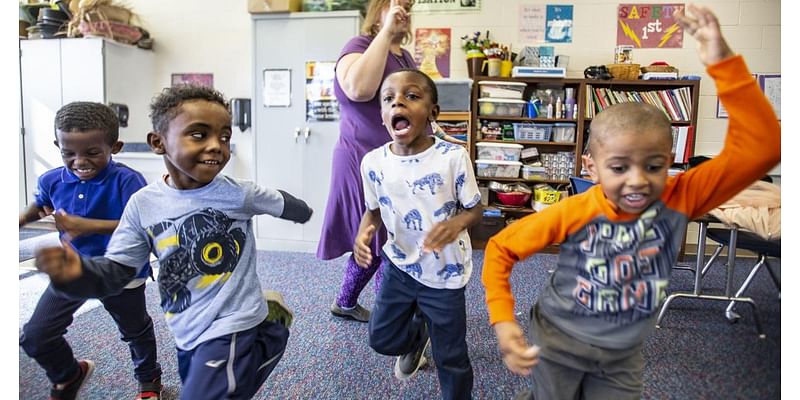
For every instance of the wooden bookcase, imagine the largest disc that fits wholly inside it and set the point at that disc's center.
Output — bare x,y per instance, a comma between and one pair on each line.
491,225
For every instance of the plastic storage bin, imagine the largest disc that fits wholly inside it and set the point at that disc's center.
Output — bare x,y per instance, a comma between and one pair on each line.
498,169
532,132
488,107
564,132
502,90
534,173
498,151
454,95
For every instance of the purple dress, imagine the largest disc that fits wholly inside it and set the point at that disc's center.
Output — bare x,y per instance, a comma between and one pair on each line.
360,131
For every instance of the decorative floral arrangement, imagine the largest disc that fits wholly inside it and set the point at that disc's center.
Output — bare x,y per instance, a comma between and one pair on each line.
476,42
488,47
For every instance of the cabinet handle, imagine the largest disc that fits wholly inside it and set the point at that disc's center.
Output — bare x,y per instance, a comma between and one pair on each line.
296,134
306,133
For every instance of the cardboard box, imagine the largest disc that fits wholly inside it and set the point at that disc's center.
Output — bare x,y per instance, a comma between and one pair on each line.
273,6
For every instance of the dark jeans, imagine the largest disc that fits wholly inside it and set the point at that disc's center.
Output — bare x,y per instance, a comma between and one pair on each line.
42,337
232,366
393,331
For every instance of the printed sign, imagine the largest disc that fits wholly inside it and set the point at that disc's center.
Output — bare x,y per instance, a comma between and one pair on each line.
531,23
559,24
321,103
432,51
446,5
649,26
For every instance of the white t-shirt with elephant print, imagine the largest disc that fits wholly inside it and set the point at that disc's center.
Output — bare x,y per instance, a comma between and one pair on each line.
413,194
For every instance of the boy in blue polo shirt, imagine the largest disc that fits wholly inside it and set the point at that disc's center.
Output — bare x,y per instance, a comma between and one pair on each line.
86,197
199,223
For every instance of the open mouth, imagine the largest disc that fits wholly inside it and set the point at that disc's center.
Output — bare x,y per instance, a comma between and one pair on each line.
83,171
211,162
400,124
635,200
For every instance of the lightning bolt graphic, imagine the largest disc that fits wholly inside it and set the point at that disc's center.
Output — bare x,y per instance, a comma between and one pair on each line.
668,34
629,33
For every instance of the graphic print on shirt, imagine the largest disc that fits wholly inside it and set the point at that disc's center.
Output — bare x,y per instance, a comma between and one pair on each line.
460,181
413,269
373,176
625,269
386,201
447,147
197,244
397,252
413,220
447,210
431,181
451,270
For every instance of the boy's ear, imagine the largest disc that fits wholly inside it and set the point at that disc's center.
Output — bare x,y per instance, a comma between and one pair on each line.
116,147
156,143
434,112
588,163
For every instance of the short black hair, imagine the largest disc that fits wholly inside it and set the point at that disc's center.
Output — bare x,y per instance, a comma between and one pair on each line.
164,107
85,116
428,81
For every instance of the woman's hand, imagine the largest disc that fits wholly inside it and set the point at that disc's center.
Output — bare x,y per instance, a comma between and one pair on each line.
397,19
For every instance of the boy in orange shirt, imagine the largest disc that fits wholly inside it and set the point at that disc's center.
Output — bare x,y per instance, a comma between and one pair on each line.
620,239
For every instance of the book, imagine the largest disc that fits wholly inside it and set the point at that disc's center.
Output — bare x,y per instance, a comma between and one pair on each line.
538,72
682,137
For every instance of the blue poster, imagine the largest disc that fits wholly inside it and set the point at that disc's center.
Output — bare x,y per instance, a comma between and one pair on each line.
558,28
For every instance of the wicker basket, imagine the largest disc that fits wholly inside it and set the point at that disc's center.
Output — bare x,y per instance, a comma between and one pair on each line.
624,71
659,68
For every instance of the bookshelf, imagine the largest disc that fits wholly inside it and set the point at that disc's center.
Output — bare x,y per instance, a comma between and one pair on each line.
677,98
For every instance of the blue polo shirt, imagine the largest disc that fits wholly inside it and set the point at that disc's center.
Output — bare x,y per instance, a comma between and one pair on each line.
102,197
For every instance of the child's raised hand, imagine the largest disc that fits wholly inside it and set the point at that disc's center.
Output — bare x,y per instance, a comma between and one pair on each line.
517,355
704,27
62,264
361,249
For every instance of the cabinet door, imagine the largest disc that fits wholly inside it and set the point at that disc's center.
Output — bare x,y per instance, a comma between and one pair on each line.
40,69
286,157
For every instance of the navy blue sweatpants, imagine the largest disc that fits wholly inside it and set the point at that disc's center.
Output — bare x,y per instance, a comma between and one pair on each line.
43,340
393,331
232,366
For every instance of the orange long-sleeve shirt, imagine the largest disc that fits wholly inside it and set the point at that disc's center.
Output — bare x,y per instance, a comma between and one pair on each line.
614,268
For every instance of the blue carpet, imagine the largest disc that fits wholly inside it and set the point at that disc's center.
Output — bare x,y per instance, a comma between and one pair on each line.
696,354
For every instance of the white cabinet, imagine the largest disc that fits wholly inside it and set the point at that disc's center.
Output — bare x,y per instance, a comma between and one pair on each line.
55,72
291,153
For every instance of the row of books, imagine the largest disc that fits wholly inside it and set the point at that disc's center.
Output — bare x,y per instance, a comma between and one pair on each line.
675,103
682,139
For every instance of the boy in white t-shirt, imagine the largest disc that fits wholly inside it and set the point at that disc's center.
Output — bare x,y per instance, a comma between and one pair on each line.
423,190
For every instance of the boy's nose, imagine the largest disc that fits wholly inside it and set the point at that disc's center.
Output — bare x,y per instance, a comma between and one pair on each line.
636,178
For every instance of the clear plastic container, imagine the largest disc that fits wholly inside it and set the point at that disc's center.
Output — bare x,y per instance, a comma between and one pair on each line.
533,173
489,107
564,132
498,169
502,90
498,151
532,132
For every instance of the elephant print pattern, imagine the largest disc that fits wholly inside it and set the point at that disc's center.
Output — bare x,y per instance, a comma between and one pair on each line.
447,210
413,220
451,270
373,176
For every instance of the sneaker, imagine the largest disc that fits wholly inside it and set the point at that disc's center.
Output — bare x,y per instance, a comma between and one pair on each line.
69,391
279,312
150,390
407,365
356,313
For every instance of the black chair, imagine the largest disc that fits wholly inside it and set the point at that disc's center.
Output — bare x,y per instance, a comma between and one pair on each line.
741,239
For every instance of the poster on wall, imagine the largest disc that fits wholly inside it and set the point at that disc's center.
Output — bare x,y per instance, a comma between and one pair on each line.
321,104
532,19
559,24
649,26
771,85
446,5
277,87
193,79
432,51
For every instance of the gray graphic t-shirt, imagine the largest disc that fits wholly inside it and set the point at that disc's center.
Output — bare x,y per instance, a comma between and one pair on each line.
205,245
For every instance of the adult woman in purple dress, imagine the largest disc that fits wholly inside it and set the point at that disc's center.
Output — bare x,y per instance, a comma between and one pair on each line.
363,63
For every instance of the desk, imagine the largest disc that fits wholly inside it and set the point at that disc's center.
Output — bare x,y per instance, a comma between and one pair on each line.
700,270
